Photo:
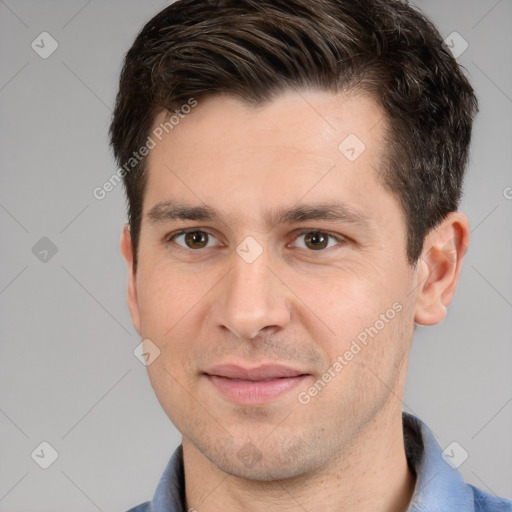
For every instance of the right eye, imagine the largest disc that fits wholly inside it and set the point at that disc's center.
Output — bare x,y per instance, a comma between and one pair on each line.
193,239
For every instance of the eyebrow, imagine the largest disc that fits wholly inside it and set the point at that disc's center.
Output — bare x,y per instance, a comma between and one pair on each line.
168,210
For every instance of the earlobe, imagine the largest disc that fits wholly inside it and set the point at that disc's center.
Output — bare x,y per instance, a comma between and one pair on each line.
439,268
132,299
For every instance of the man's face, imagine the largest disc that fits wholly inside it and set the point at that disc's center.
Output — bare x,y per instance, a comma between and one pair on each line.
248,289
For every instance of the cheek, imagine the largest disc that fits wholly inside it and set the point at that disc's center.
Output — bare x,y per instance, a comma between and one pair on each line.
173,304
344,297
165,297
169,303
353,306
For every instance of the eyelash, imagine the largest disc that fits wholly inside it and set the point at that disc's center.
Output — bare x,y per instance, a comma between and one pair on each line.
171,237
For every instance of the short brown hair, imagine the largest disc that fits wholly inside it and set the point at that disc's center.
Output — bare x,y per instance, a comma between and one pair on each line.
255,49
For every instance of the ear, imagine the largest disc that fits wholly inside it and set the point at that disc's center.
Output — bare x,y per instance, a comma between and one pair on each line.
127,252
439,268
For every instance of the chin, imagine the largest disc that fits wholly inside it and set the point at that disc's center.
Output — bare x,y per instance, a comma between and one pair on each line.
269,464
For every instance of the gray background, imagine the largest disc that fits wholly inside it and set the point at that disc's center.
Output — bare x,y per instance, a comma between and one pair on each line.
68,375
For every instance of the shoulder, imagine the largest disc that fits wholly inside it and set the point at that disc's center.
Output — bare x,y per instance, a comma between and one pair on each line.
485,502
143,507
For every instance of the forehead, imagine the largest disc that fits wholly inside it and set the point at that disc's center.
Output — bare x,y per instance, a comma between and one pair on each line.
308,145
306,120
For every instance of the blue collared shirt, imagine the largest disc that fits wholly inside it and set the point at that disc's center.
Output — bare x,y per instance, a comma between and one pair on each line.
439,486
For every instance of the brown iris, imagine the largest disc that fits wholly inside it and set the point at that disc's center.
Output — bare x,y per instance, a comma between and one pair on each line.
196,239
317,239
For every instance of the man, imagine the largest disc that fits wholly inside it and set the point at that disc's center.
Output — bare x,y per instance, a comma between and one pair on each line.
293,171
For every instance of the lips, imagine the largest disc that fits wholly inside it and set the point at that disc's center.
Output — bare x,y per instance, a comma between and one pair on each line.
252,386
261,373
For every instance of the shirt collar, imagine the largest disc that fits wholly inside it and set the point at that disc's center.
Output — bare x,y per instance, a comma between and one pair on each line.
439,487
170,492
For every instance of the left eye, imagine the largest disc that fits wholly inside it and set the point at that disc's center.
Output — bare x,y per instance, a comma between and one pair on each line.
318,240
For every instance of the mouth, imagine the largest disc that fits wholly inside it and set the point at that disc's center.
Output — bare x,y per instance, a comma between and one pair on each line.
254,386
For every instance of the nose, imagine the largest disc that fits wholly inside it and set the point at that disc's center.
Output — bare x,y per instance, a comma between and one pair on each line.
252,298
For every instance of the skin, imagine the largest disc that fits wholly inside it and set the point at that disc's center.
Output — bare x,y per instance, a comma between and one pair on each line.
298,303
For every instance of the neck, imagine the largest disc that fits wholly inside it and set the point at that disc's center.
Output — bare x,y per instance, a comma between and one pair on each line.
371,475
